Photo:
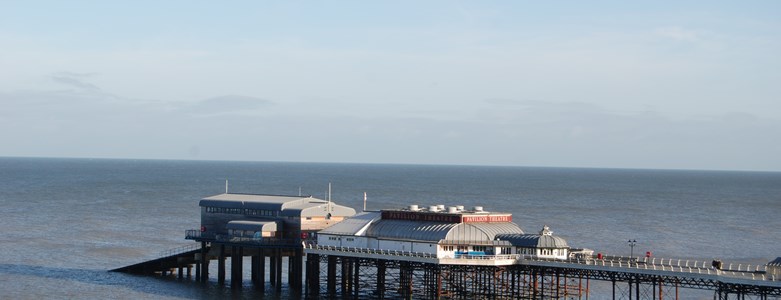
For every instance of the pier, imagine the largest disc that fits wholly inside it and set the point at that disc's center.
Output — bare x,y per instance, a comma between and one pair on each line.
426,253
371,273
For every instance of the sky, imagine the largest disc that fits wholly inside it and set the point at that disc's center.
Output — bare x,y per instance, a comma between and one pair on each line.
607,84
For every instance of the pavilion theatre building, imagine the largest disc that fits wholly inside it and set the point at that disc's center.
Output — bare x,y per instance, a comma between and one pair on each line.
442,233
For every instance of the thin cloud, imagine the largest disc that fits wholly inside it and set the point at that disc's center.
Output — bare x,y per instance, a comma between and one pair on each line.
677,33
228,104
74,80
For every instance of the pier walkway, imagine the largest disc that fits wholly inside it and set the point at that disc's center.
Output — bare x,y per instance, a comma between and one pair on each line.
627,275
181,258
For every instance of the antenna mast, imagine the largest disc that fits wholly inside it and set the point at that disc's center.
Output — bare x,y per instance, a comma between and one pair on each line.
364,201
329,197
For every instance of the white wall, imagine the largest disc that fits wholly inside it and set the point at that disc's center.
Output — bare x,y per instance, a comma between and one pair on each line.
354,241
395,245
327,240
372,243
425,248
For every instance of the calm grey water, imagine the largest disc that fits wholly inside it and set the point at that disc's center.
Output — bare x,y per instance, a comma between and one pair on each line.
65,222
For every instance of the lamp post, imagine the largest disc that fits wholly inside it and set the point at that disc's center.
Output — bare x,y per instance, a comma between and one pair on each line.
632,244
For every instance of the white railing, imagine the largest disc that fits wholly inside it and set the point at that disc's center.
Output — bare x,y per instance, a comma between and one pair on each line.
753,272
371,251
179,250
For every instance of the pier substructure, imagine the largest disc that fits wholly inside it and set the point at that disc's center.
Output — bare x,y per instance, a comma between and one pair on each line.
275,251
331,277
355,277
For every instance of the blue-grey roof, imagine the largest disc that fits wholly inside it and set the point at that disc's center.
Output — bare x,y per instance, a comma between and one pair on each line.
371,224
437,232
534,240
298,206
775,263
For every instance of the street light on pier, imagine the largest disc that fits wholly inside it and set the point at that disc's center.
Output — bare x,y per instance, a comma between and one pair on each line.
632,244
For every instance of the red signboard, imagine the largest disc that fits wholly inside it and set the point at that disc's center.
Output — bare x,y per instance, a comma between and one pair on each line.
421,216
444,217
487,218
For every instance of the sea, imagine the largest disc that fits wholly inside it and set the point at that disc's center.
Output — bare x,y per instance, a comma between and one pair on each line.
67,222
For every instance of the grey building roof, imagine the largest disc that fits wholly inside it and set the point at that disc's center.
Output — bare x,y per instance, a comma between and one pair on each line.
370,224
298,206
534,240
355,225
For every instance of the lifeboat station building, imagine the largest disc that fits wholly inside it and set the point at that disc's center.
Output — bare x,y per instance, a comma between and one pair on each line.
265,227
449,235
252,216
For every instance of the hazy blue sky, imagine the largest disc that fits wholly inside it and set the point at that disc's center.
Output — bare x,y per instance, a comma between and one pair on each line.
674,84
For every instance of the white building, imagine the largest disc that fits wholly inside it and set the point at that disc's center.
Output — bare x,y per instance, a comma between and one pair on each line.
542,245
774,269
451,233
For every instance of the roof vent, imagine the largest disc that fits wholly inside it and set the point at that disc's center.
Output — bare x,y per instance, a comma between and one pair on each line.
452,209
414,207
546,230
433,208
478,209
460,207
440,207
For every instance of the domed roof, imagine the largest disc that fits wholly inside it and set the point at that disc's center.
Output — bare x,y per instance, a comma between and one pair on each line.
545,239
440,231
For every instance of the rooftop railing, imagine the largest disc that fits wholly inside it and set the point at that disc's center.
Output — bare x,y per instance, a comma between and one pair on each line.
195,234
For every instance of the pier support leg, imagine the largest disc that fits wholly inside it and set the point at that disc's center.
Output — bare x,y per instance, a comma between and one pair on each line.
345,272
312,276
272,261
204,263
254,269
237,263
290,272
221,265
614,289
331,279
261,286
356,278
637,288
381,279
405,276
298,270
278,288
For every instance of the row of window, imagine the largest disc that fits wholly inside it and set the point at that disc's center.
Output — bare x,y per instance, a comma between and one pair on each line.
532,251
245,211
331,238
503,250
